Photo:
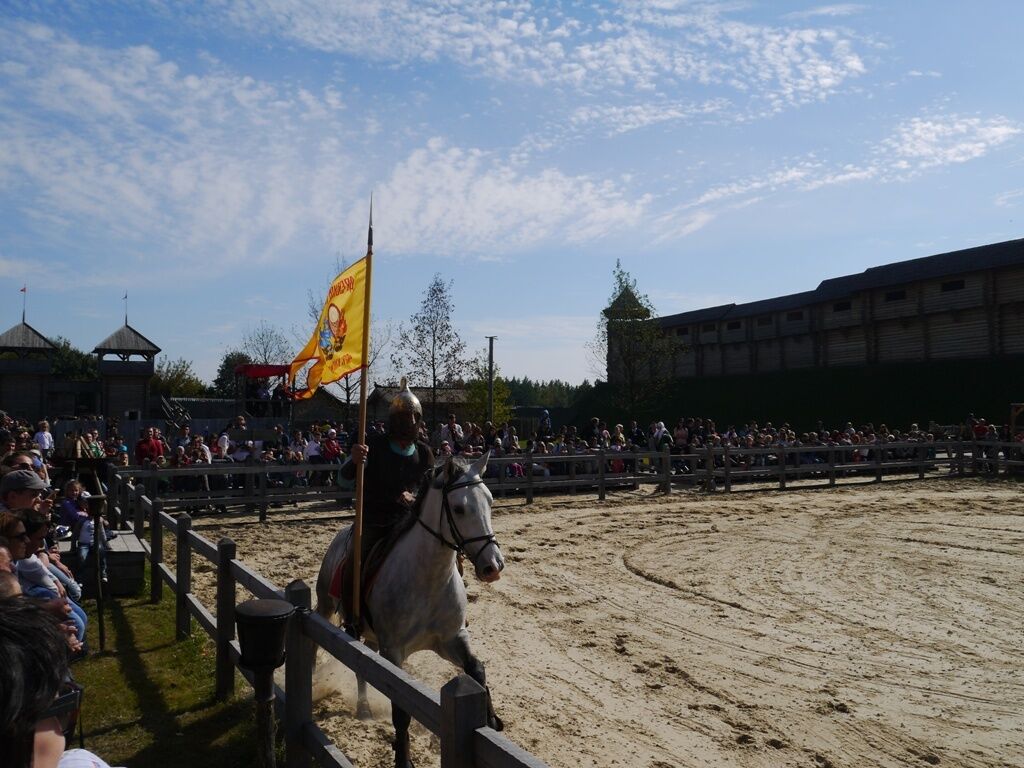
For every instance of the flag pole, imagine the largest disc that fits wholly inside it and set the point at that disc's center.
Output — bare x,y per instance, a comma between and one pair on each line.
357,527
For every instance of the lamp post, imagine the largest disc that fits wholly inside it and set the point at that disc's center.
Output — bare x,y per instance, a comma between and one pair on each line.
490,378
261,635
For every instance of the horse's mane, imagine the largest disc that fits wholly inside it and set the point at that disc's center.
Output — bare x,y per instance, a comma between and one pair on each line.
431,479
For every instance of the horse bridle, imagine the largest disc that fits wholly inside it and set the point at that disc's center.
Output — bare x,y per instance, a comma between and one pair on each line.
460,541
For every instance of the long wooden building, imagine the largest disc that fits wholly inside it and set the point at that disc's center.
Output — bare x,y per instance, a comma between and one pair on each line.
961,305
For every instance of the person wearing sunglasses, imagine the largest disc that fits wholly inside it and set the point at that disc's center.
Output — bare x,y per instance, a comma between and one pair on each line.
39,701
23,489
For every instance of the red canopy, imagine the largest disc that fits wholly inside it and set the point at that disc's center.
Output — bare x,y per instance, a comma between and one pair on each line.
257,371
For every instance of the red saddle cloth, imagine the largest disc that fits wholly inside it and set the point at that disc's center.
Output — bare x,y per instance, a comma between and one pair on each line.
378,554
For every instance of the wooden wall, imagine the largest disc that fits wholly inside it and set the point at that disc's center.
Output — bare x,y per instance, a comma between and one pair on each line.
967,316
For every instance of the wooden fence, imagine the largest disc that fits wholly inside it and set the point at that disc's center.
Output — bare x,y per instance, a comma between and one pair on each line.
259,487
457,714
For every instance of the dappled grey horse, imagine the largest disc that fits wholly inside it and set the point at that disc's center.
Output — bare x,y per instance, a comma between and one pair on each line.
418,600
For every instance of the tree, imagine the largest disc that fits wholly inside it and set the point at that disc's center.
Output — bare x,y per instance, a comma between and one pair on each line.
175,378
224,382
477,392
428,350
266,344
638,356
69,362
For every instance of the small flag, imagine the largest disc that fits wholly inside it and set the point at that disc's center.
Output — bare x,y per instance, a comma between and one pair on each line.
24,289
336,346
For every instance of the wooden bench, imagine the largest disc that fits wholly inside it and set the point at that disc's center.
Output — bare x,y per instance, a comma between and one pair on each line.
126,565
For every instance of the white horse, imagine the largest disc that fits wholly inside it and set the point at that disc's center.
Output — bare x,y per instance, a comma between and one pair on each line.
418,600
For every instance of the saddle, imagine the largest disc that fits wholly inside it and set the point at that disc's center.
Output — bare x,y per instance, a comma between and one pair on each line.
341,582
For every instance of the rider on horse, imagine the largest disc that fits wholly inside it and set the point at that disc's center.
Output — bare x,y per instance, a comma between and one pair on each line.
395,465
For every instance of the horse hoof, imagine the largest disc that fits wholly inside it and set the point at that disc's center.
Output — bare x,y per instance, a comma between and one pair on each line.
494,722
363,711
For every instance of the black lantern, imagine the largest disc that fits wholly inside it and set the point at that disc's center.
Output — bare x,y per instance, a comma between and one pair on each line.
262,625
261,632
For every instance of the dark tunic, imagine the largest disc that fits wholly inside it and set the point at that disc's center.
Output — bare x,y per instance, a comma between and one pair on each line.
386,476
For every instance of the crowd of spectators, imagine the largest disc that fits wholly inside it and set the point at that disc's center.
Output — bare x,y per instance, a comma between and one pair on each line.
688,439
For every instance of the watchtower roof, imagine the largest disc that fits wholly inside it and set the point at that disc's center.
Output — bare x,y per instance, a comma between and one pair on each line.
126,341
24,337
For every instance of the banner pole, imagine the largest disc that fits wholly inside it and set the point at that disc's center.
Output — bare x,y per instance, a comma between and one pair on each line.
357,527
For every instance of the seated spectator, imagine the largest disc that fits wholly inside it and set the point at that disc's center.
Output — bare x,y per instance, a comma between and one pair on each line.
24,489
39,700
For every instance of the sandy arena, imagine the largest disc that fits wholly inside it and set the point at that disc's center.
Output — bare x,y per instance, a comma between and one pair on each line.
877,625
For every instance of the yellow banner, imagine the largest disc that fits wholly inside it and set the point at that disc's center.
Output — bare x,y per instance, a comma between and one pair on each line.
336,347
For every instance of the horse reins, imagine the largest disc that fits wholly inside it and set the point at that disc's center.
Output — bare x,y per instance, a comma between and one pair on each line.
460,541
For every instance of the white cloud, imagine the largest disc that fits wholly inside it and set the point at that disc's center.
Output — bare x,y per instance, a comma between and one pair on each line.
927,142
214,167
839,9
916,146
449,200
622,119
1009,199
637,45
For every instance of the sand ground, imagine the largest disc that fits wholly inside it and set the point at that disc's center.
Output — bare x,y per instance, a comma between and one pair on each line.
876,625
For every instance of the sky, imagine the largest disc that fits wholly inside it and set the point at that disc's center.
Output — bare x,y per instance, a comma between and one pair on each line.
216,159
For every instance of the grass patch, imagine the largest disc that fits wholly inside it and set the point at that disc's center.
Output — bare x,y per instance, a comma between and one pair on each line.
149,701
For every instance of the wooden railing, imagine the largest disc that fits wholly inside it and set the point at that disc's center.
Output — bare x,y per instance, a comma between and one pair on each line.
457,714
711,468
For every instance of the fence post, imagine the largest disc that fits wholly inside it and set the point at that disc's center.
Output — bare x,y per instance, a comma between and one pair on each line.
725,468
225,674
132,503
114,494
960,457
153,485
975,465
250,487
600,475
572,475
183,579
782,467
920,461
262,486
878,462
709,468
463,710
529,477
298,677
831,466
156,550
667,469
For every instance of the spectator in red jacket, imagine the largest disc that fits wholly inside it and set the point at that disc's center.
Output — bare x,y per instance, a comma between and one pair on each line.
148,447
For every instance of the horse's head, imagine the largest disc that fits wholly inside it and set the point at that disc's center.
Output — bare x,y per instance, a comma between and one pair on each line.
465,515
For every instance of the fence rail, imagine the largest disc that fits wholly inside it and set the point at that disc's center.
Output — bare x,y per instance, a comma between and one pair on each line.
457,714
711,469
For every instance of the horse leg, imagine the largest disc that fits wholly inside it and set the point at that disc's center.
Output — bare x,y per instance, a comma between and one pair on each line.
457,651
400,719
327,607
363,711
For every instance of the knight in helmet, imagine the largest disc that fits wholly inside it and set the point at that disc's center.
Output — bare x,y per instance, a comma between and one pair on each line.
395,465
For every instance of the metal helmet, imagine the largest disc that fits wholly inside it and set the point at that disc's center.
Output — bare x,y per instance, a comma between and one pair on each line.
403,406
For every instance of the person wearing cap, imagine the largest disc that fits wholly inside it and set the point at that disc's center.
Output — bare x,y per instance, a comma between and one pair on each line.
24,489
395,463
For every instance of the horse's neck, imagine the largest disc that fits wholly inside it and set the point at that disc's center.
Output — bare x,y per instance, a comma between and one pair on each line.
426,555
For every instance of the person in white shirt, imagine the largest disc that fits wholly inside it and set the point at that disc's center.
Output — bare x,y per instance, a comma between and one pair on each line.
44,439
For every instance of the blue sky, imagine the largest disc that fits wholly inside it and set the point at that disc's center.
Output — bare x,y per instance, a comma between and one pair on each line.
216,159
